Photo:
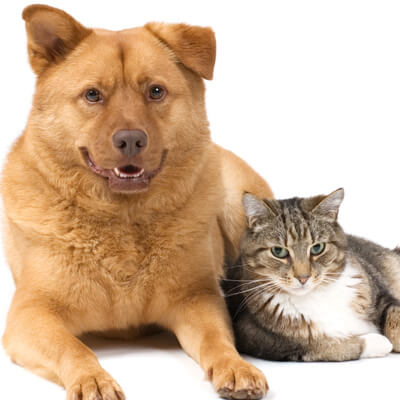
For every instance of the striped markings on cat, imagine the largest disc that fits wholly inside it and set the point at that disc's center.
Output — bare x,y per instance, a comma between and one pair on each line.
329,310
328,307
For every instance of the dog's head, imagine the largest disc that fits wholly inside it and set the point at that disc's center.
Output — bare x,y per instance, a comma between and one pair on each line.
123,105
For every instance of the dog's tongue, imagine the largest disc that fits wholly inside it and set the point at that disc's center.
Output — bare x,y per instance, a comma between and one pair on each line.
130,169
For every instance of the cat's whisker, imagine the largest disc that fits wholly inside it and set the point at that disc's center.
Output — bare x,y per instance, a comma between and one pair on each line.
264,285
259,289
241,305
328,279
243,285
240,280
254,296
268,287
241,292
248,299
239,266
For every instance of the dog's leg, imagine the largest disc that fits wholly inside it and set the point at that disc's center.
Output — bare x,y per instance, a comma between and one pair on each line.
36,337
202,326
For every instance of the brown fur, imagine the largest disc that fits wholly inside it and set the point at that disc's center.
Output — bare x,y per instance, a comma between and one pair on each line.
86,258
392,326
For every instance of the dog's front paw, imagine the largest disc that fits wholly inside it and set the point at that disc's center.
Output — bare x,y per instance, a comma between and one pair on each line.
237,379
376,345
96,386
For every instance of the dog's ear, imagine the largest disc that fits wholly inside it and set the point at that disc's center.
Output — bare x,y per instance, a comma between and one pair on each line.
52,34
194,46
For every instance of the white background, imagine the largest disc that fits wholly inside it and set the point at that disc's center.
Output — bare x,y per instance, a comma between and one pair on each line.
308,92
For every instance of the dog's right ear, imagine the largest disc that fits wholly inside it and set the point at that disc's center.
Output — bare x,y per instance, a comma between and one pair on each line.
52,34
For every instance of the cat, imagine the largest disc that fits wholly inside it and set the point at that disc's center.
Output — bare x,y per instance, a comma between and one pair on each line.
303,290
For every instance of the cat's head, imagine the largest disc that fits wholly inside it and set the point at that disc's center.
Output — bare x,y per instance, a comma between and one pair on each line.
293,245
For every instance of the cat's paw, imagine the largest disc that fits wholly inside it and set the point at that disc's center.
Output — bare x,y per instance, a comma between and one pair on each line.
375,345
392,327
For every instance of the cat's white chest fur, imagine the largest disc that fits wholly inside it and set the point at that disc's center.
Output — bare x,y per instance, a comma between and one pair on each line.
328,307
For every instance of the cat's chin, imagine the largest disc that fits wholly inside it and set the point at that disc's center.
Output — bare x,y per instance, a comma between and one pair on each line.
299,291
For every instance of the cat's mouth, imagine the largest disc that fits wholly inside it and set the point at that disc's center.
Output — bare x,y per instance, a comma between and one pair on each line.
298,289
301,291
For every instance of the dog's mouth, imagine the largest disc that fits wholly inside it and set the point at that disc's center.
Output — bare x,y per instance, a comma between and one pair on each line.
129,172
127,178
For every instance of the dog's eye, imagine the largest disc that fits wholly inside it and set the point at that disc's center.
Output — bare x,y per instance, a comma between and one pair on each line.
93,96
156,92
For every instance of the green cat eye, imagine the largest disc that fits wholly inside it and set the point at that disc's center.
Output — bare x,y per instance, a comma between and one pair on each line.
317,249
279,252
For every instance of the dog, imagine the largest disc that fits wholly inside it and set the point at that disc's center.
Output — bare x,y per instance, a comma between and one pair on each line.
119,209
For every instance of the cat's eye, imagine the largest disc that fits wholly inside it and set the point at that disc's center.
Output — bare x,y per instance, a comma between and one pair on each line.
279,252
317,249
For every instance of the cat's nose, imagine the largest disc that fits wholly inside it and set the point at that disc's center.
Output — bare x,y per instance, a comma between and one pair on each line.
303,279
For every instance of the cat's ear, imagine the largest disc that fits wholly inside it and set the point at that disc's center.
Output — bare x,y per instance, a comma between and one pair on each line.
255,209
52,34
328,206
194,46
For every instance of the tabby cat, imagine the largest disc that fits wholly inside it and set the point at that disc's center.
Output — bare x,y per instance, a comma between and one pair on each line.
304,290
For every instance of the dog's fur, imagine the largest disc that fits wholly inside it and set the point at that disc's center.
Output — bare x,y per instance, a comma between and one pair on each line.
85,257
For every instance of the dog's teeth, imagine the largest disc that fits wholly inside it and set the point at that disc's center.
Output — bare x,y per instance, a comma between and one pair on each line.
140,173
116,171
121,174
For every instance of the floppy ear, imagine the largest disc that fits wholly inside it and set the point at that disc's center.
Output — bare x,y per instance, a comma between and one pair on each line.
328,206
194,46
52,34
255,209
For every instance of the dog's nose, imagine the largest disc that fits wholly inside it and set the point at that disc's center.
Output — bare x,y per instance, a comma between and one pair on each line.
130,142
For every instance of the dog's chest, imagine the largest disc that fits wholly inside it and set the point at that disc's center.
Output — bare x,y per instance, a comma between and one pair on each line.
110,276
114,253
113,274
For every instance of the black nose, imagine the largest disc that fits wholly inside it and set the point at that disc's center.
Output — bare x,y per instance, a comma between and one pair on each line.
130,142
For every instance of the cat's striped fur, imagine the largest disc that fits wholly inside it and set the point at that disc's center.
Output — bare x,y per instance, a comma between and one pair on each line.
341,304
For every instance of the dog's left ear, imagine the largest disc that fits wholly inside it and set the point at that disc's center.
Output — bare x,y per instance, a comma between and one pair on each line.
194,46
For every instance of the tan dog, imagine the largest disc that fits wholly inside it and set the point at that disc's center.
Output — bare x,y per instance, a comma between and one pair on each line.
119,208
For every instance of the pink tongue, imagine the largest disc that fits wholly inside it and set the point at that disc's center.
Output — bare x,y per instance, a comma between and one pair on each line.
129,169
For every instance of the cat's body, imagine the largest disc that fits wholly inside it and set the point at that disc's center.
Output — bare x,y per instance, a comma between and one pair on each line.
340,304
